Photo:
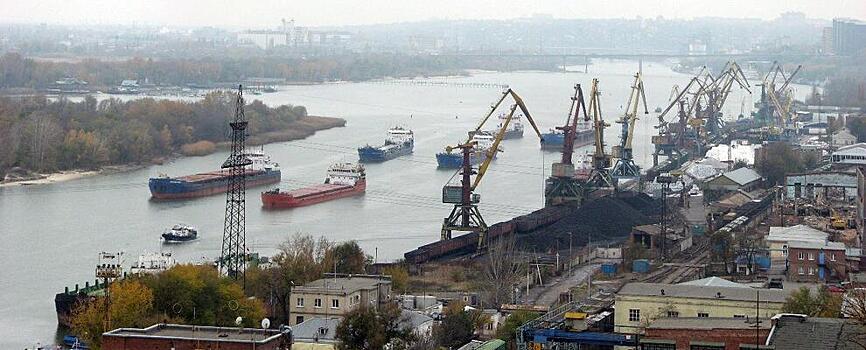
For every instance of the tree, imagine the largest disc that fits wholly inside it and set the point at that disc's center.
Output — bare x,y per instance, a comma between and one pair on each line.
366,329
456,329
131,306
501,271
399,278
822,304
779,160
350,258
508,330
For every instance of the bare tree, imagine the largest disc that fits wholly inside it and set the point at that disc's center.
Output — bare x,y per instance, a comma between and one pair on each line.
854,308
501,271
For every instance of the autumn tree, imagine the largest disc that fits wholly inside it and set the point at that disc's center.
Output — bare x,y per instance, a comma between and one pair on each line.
131,306
456,329
399,278
507,331
821,304
350,258
364,328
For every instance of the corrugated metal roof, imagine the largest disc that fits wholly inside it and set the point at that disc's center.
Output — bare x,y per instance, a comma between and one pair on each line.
714,282
742,176
801,233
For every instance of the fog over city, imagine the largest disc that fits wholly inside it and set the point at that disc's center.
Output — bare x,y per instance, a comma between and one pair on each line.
258,13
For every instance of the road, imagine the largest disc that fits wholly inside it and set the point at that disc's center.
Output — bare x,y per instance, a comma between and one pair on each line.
549,293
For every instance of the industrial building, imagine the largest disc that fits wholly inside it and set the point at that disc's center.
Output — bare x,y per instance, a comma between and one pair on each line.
186,337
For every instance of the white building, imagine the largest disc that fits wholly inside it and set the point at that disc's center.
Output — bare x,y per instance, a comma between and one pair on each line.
850,155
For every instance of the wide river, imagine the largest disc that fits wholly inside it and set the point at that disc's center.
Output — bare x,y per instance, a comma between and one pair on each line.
53,233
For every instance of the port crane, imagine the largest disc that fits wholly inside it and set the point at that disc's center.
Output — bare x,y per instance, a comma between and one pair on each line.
717,92
562,186
625,168
599,177
465,215
775,103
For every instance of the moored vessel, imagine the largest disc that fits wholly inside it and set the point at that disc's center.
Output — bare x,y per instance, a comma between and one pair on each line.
554,138
262,171
398,142
343,180
452,160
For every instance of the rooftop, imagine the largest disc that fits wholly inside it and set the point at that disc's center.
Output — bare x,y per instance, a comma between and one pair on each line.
701,292
714,282
797,233
316,330
855,149
800,332
707,323
743,176
347,284
202,333
817,245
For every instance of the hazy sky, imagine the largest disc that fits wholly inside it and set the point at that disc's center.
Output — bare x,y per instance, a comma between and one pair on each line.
266,13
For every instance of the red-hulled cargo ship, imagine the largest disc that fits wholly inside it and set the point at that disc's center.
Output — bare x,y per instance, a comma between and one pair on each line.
343,180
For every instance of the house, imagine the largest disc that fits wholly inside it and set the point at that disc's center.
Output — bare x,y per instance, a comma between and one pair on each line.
334,297
186,337
792,331
321,331
420,324
640,304
744,179
704,333
849,155
843,137
816,261
780,238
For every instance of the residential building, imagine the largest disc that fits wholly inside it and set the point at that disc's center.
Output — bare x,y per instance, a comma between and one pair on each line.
849,36
336,296
185,337
801,332
780,238
705,333
638,305
744,179
849,155
320,331
816,261
844,137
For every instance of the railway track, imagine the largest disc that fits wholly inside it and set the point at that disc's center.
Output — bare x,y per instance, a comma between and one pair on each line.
678,270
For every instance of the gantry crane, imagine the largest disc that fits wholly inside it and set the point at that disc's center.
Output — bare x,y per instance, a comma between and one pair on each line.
625,168
562,186
599,177
465,215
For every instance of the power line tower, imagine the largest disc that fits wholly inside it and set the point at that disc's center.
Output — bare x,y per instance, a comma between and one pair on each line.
233,258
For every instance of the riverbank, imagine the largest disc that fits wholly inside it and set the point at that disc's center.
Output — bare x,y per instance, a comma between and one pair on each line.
302,129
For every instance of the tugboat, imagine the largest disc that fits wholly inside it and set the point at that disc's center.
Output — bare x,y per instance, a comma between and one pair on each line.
448,160
343,180
399,142
180,233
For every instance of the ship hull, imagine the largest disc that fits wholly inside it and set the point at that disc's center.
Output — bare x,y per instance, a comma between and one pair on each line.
177,188
322,193
177,239
455,160
556,140
380,154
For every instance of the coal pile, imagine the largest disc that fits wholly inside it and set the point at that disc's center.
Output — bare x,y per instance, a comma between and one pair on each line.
607,219
642,202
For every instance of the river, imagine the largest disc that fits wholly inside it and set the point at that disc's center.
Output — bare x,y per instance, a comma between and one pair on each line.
53,233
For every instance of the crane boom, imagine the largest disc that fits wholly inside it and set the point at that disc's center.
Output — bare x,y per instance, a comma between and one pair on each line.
518,101
630,118
493,149
570,128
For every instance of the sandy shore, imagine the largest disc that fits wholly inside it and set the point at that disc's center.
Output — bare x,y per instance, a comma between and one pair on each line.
69,175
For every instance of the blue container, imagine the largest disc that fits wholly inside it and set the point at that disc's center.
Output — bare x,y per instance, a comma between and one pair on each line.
763,262
698,230
640,266
608,269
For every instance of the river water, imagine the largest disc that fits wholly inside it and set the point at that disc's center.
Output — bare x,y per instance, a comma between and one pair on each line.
53,233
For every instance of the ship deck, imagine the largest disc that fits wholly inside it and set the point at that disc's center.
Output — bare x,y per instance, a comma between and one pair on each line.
317,189
212,175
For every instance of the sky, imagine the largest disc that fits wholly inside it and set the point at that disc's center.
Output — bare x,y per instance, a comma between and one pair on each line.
259,14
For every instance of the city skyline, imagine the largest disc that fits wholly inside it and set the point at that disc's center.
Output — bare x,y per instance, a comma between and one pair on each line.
263,14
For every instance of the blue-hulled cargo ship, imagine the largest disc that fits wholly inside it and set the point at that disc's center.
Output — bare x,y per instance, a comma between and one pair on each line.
398,142
453,160
261,172
554,139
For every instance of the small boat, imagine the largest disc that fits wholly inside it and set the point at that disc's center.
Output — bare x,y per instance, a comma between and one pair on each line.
151,263
343,180
180,233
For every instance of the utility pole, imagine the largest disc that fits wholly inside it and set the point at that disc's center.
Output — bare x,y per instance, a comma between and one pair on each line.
666,180
233,256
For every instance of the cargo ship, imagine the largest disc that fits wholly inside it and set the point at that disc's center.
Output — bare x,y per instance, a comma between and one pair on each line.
398,142
554,139
261,172
343,180
453,160
515,127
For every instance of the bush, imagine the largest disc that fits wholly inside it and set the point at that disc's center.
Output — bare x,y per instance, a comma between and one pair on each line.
201,148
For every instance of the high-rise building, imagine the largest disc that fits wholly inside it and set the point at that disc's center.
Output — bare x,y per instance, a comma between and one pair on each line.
849,36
